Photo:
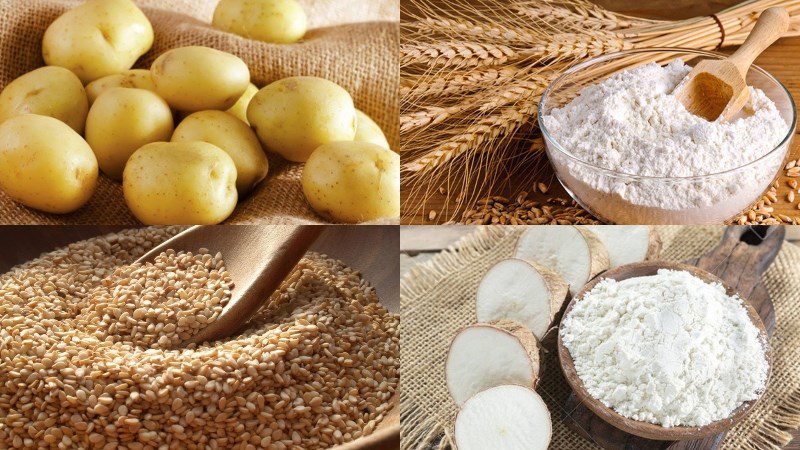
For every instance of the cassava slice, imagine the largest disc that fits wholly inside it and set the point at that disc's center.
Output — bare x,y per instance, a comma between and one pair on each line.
627,243
487,355
523,291
504,417
574,253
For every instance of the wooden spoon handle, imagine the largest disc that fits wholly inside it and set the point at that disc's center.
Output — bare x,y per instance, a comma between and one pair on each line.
281,249
771,25
741,258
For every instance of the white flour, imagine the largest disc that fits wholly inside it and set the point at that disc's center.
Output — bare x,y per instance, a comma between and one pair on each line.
631,123
668,349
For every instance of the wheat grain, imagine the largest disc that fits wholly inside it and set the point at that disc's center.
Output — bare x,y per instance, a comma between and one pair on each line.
500,211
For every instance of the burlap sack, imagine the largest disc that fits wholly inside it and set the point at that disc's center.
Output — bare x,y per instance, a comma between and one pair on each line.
438,297
353,43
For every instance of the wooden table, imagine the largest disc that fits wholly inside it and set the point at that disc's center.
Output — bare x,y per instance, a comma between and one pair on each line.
419,244
782,60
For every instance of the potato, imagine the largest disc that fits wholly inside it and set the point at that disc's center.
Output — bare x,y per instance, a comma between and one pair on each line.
45,164
277,21
353,182
181,183
47,91
122,120
199,78
98,38
294,116
234,137
239,109
136,78
369,131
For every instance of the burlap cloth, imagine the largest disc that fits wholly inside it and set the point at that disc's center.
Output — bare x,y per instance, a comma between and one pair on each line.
437,298
353,43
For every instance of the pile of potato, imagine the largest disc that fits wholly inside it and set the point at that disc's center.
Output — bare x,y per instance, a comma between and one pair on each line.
55,133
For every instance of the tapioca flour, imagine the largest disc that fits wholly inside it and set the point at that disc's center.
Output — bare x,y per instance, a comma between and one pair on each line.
669,349
630,123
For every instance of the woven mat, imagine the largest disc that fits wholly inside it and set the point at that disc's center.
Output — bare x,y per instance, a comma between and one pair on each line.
438,298
354,43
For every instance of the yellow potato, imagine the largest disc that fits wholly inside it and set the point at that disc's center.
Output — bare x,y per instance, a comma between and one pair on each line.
353,182
199,78
240,108
369,131
232,135
294,116
45,164
47,91
181,183
135,78
98,38
121,121
277,21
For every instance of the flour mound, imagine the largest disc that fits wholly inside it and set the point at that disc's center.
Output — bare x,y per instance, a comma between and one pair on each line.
631,123
669,349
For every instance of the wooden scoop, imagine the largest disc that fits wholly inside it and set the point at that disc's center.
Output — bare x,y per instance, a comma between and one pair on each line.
717,88
257,258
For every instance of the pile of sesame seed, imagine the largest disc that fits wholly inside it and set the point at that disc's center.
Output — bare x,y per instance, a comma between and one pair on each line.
317,366
159,304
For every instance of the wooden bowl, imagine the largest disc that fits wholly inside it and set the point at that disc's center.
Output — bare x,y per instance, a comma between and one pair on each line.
372,250
646,429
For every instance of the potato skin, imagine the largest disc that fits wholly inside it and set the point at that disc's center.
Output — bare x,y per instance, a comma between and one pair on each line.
295,115
121,121
275,21
369,131
198,78
79,39
47,91
181,183
134,78
234,137
45,164
353,182
239,109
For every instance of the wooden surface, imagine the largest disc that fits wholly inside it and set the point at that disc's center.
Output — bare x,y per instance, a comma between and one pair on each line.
370,249
418,244
782,60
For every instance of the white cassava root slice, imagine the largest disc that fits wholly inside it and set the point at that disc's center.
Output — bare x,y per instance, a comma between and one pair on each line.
504,417
522,291
628,243
492,354
574,253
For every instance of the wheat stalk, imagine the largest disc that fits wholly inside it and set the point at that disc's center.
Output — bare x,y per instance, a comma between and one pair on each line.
413,89
433,115
500,123
470,54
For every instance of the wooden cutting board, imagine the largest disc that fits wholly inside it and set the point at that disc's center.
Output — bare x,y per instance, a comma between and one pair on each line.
740,259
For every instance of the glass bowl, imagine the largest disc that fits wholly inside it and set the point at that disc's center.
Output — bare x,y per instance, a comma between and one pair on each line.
704,199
